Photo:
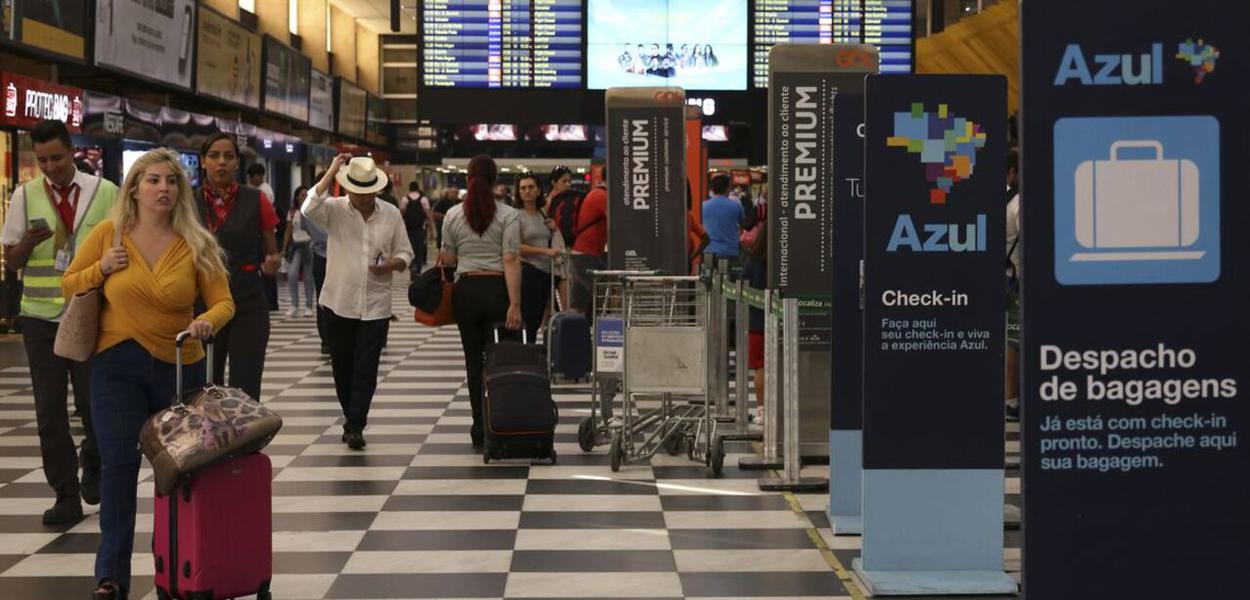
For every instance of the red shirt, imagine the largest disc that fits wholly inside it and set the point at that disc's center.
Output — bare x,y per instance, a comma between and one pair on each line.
221,205
593,238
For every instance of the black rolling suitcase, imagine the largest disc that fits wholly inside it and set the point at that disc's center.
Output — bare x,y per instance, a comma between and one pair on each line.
517,405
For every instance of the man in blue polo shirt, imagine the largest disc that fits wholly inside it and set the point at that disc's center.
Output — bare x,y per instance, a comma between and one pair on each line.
722,218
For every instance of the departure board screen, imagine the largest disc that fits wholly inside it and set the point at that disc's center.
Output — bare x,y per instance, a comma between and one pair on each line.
886,24
501,43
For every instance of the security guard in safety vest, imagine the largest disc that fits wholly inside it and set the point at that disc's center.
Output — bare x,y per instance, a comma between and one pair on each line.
47,219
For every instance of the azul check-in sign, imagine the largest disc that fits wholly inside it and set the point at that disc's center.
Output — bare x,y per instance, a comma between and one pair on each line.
933,272
1135,287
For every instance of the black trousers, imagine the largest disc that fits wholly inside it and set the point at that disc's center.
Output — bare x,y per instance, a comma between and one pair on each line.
49,374
271,290
355,351
243,342
480,304
319,278
535,293
420,250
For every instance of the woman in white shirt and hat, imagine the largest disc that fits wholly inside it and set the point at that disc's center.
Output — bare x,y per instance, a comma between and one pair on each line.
366,244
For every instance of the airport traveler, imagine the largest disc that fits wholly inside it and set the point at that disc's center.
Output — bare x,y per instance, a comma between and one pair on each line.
151,280
297,247
559,181
755,274
1015,273
482,240
243,220
722,217
256,179
415,208
589,249
502,195
48,219
317,243
367,244
451,197
537,254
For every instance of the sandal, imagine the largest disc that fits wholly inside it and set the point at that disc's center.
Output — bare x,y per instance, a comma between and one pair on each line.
109,590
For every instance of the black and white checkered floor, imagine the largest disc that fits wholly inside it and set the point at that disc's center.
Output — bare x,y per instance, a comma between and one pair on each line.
417,514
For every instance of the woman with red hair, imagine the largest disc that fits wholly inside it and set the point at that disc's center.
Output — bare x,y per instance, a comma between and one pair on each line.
482,240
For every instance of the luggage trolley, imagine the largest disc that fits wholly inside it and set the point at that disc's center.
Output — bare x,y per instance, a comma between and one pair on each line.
608,332
665,323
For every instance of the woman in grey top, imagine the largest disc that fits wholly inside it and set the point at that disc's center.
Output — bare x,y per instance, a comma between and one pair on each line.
482,239
536,254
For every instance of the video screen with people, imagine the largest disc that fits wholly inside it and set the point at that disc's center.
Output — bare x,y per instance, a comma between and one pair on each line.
694,44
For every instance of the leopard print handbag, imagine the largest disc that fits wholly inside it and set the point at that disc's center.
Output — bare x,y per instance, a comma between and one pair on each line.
202,428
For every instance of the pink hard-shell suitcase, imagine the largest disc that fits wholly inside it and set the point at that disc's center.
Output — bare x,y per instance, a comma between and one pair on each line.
212,537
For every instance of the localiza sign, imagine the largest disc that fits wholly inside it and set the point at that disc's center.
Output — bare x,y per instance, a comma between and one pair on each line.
28,101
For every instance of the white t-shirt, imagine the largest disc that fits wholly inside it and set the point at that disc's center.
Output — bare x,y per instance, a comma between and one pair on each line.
267,190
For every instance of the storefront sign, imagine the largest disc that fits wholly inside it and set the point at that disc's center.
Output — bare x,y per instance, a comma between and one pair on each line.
646,180
1134,354
934,333
51,25
151,39
228,60
28,101
287,74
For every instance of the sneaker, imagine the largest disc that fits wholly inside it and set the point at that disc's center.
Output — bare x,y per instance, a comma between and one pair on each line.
308,312
292,312
65,511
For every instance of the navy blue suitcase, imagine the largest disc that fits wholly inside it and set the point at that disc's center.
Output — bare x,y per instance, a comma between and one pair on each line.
571,348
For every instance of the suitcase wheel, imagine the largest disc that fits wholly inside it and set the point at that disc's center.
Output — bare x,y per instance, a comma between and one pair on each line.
162,594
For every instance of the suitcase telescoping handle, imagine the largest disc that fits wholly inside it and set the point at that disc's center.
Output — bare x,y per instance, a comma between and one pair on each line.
499,326
208,356
1122,144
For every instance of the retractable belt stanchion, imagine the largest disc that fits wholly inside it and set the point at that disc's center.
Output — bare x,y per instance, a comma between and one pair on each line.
791,479
769,458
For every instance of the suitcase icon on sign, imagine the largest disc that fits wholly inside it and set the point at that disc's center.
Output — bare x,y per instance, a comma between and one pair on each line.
1131,209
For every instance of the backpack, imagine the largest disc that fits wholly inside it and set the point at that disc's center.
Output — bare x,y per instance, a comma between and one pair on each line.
414,215
564,209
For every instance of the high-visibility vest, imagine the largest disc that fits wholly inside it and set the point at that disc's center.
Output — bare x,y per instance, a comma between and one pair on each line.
41,295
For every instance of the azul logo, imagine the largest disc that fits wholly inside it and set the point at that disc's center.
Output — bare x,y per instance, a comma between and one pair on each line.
946,146
939,237
1129,69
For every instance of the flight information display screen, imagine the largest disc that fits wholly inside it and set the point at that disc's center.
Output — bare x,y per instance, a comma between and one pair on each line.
501,43
886,24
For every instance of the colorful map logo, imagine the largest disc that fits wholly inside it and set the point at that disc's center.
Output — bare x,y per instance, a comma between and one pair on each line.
1200,56
947,145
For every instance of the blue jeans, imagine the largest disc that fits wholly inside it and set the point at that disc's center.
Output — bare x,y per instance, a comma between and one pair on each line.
127,386
301,259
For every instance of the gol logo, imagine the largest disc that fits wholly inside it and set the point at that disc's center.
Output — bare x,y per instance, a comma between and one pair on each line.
668,97
850,58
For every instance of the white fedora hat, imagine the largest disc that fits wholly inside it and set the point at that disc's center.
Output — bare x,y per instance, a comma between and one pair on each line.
361,176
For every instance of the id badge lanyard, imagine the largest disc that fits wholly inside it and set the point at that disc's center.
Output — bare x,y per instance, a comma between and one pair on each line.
64,242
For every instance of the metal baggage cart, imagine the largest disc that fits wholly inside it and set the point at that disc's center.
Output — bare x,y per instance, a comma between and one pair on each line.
666,355
608,308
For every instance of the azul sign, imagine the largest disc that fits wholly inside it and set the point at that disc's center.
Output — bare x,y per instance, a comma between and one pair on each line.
1126,69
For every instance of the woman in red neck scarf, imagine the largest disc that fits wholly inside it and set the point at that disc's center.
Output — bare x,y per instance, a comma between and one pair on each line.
243,220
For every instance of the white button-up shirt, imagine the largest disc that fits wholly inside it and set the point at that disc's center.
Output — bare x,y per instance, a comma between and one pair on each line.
350,290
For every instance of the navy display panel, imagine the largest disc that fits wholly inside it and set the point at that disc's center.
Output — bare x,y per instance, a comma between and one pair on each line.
886,24
501,44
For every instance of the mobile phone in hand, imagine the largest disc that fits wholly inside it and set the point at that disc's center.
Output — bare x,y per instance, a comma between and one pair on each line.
39,223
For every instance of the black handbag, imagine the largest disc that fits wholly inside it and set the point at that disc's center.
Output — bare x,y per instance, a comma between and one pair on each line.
425,293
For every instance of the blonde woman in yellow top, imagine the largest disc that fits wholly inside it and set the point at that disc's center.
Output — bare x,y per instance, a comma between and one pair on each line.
151,280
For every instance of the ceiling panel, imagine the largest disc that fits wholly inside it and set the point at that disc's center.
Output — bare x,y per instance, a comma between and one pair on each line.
375,15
